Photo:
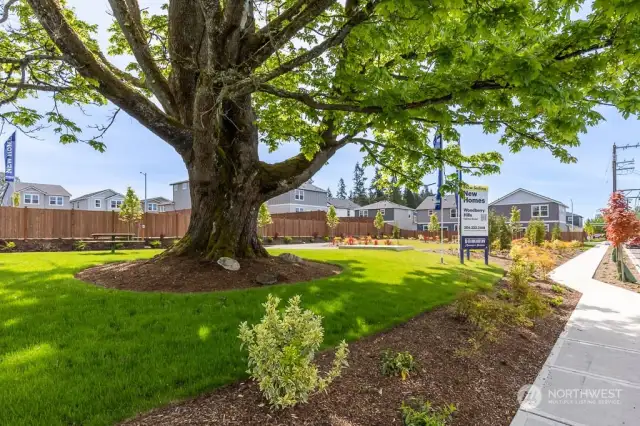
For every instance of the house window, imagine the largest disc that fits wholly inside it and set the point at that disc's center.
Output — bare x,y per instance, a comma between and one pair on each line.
429,213
298,194
382,212
56,200
152,207
425,227
97,204
363,213
31,198
299,209
453,214
115,204
540,210
184,185
161,209
410,215
348,213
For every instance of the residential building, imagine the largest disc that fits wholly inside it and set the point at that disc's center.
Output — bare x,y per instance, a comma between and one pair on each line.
181,195
105,200
344,208
307,197
576,220
38,195
447,217
533,206
394,214
157,205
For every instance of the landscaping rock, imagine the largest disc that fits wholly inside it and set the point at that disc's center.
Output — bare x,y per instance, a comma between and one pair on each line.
290,258
266,278
229,264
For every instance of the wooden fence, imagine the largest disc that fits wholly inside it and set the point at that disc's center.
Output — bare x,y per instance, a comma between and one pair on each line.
26,223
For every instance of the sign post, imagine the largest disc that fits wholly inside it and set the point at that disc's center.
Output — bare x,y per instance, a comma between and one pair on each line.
474,232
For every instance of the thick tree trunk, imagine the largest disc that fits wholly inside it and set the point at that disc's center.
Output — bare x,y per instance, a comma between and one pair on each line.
224,186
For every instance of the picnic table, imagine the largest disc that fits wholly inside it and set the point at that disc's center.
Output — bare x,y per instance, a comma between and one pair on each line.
114,236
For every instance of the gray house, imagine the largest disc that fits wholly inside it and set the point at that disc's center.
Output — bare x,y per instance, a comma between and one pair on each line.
181,195
157,205
394,214
344,208
576,220
447,217
307,197
38,195
105,200
532,205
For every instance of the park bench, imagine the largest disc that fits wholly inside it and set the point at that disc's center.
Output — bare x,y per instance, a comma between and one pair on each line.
115,237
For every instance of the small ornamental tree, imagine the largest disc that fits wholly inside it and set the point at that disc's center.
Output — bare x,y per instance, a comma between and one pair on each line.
15,199
588,228
514,220
130,210
378,222
535,232
332,219
494,227
556,234
264,217
434,225
505,233
621,224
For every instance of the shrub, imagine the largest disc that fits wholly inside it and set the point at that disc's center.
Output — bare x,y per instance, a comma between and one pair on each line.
418,413
269,240
556,301
351,241
9,245
575,244
281,351
420,237
326,239
556,234
312,240
388,242
535,232
337,241
545,263
174,242
119,246
287,240
375,242
155,244
535,306
397,364
79,245
315,234
557,289
396,231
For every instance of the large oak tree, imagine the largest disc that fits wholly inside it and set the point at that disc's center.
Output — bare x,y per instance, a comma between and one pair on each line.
213,77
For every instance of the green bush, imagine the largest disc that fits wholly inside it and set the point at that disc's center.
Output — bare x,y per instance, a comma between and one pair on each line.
269,240
557,289
556,301
119,246
395,232
397,364
9,245
556,234
535,232
155,244
519,277
418,413
281,351
326,239
79,245
287,240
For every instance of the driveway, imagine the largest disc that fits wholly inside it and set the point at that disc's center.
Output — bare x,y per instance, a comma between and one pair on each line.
592,376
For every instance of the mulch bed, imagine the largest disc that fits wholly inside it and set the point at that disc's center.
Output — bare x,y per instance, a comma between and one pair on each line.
607,272
482,385
183,275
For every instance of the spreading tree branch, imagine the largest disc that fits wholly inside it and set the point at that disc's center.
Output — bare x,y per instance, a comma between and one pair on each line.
5,11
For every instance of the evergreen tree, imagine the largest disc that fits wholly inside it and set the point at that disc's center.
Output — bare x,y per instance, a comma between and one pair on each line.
130,210
359,181
329,194
410,198
393,193
342,190
375,191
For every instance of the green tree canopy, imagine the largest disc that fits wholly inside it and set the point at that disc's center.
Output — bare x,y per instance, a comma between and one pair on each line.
211,77
131,209
332,219
378,221
264,217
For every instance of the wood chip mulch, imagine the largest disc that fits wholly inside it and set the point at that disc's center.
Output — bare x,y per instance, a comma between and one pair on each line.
607,272
183,275
482,385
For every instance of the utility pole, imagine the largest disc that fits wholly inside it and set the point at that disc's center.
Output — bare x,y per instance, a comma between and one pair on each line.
144,214
573,218
614,168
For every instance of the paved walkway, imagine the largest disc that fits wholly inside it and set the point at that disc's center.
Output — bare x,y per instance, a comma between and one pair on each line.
592,376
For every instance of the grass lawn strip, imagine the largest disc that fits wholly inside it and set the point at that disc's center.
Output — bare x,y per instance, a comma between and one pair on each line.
71,352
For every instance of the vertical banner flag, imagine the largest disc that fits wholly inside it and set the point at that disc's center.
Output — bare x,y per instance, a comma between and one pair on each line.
437,144
10,158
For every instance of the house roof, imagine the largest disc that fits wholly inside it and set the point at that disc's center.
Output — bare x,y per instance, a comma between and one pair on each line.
530,193
311,187
158,200
429,203
179,182
85,196
42,187
339,203
384,205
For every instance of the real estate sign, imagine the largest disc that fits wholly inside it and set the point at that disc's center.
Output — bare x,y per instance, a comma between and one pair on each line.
10,158
474,220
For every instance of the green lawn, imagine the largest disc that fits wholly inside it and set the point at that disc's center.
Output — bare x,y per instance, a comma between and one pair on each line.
73,353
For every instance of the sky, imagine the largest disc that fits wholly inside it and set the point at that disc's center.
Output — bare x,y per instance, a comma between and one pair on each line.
132,149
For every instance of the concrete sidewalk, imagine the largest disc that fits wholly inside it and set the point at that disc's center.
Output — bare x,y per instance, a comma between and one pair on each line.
592,376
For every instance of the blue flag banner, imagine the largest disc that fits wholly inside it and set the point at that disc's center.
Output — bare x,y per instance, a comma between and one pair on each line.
437,144
10,158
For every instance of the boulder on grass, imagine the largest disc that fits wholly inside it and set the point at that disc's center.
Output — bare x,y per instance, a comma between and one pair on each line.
229,264
267,278
290,258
